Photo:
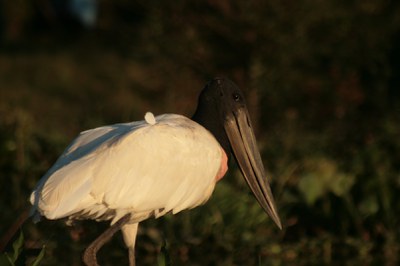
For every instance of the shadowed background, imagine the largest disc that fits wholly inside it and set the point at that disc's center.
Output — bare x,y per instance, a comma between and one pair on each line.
322,83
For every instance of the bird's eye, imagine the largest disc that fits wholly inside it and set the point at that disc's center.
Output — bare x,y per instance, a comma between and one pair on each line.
236,97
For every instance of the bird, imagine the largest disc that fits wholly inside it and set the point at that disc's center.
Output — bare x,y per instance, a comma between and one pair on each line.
126,173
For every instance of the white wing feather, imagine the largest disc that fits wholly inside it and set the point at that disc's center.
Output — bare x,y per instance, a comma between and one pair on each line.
135,168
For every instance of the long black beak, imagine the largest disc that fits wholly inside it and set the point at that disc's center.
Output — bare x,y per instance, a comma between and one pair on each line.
243,142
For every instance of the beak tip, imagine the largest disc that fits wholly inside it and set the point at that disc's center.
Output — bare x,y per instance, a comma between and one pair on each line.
277,220
278,223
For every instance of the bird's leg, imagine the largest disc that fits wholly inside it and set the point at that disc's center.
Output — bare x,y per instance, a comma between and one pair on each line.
89,256
132,257
129,232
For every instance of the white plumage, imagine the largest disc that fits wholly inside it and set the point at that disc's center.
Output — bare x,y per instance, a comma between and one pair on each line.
146,169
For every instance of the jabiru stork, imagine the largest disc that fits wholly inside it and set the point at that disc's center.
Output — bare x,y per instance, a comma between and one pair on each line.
127,173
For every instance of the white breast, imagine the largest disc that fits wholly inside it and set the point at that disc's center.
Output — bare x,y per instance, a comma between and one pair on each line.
139,168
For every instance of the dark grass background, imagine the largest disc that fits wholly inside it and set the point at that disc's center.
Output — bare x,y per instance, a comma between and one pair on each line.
322,80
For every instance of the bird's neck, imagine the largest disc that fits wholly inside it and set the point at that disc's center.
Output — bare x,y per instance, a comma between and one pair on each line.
210,120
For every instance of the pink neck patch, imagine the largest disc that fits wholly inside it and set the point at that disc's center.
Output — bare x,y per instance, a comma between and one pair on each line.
224,166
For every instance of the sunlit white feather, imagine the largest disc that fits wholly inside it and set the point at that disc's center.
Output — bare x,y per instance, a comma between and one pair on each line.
140,168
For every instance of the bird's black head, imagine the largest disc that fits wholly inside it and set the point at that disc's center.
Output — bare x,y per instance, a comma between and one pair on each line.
224,95
222,110
218,100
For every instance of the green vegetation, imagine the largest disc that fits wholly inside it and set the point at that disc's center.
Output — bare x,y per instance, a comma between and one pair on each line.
322,84
15,258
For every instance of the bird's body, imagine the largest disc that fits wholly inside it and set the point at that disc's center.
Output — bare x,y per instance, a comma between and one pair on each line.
129,172
138,168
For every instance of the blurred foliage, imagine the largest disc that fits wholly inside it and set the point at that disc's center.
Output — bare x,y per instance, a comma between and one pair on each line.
322,82
17,257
